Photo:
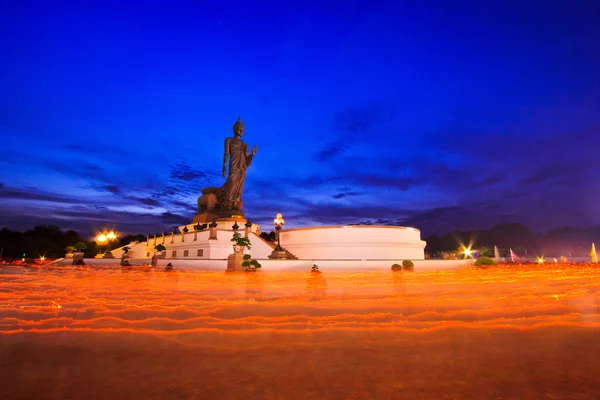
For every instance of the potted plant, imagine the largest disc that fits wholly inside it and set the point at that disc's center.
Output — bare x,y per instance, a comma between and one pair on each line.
69,250
240,243
78,255
159,249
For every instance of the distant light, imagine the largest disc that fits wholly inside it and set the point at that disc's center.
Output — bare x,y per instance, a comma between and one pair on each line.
410,228
467,252
540,260
101,238
42,258
111,235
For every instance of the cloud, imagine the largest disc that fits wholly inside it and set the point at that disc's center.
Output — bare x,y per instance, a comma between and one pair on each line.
144,200
349,126
19,194
490,180
345,194
555,171
112,189
184,172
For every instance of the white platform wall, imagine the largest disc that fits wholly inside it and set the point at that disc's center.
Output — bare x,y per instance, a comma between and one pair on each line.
354,242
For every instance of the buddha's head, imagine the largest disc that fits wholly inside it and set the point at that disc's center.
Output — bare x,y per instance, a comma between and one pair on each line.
238,128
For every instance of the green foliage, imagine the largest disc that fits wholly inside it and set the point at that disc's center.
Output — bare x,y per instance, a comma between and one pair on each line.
241,241
249,263
126,249
486,251
169,267
484,261
396,266
69,249
80,246
160,247
407,264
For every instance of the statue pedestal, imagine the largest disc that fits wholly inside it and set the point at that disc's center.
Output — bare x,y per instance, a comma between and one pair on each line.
234,262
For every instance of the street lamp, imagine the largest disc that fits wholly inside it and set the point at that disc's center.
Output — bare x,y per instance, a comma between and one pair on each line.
278,224
101,239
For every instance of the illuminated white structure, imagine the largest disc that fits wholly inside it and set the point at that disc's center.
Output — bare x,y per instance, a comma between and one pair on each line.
354,242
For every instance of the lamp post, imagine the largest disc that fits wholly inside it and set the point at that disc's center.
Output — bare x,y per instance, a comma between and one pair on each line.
278,224
279,253
101,240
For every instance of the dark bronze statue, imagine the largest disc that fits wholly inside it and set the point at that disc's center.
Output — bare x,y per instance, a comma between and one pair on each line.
226,201
236,150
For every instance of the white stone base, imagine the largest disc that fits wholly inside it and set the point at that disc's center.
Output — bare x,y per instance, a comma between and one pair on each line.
354,242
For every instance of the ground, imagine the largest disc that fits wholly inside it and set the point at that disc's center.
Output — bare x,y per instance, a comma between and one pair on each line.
507,332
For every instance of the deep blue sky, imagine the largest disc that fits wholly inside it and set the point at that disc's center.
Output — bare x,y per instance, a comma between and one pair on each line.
437,114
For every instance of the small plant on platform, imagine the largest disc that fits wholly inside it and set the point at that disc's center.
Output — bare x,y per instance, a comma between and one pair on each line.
69,249
484,262
80,246
396,267
126,249
169,267
160,247
125,263
315,268
237,239
250,264
407,264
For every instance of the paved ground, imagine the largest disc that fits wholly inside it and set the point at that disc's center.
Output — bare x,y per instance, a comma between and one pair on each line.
500,333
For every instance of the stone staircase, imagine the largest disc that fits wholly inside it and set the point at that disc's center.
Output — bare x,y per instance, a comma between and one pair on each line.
282,254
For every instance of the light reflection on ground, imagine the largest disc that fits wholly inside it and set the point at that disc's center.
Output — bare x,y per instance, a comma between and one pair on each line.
515,332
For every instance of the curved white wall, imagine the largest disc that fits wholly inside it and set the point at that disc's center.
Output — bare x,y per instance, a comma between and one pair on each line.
355,242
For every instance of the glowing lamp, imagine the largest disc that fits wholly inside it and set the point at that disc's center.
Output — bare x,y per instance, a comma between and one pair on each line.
540,260
42,258
101,238
111,235
279,220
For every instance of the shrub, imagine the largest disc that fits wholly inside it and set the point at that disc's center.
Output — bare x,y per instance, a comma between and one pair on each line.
247,256
160,247
484,261
407,264
80,246
241,241
69,249
126,249
125,263
396,266
256,264
169,267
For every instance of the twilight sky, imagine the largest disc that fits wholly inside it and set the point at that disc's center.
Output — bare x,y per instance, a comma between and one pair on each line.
436,114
